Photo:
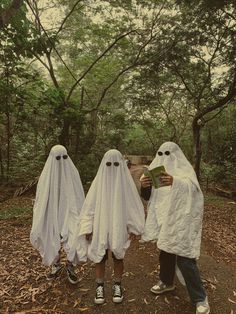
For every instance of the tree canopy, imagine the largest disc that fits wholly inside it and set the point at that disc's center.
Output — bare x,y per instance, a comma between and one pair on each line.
93,75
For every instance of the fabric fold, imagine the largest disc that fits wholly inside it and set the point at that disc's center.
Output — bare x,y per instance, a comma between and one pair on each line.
175,213
112,209
59,199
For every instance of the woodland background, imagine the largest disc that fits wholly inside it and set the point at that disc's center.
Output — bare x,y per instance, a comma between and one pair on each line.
94,75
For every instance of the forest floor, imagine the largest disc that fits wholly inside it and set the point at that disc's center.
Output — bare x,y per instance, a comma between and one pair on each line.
25,289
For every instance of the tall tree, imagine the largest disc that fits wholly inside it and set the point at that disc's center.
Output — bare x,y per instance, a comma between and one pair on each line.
201,62
204,62
94,39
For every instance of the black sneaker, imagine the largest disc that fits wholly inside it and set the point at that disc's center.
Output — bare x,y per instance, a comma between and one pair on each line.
100,296
55,271
117,293
72,277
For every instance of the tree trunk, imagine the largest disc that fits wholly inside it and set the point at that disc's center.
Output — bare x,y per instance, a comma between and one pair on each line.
78,133
196,127
8,132
8,143
8,122
1,165
64,137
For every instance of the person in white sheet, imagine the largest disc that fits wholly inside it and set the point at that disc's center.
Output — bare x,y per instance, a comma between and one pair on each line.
174,220
59,199
111,216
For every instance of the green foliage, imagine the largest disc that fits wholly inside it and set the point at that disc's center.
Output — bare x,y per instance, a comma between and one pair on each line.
208,4
15,212
16,36
219,146
146,89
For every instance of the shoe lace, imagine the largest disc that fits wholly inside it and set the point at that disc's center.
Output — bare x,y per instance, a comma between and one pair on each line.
55,268
99,291
70,269
117,290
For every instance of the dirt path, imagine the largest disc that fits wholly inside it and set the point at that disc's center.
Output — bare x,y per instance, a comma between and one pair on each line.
24,288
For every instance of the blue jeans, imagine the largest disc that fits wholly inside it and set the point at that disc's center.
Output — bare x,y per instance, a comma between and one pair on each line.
189,270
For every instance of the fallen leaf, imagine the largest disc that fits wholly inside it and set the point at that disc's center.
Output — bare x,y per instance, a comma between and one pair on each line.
84,290
166,300
77,302
34,293
145,301
83,309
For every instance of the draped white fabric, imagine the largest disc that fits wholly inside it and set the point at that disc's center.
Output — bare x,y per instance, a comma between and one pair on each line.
59,198
175,213
112,209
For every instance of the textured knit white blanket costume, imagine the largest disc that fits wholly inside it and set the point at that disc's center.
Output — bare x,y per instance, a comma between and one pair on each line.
59,198
175,212
112,209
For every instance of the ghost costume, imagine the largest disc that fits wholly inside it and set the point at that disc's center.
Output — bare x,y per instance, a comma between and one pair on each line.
112,209
59,198
175,212
174,220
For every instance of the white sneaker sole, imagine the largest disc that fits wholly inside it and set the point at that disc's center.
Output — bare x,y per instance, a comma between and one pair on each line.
118,300
208,312
99,301
72,281
163,291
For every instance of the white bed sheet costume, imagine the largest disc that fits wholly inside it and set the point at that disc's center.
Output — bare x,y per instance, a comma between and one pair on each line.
59,199
112,209
175,212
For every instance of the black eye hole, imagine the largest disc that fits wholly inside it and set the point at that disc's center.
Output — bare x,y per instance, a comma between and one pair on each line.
108,164
116,163
167,153
160,153
65,156
58,157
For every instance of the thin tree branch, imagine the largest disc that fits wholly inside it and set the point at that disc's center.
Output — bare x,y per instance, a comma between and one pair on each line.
183,79
134,63
215,115
96,61
67,16
221,102
229,14
209,68
110,85
48,55
51,70
41,61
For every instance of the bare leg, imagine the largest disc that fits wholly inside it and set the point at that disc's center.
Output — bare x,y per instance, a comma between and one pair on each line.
100,271
118,269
